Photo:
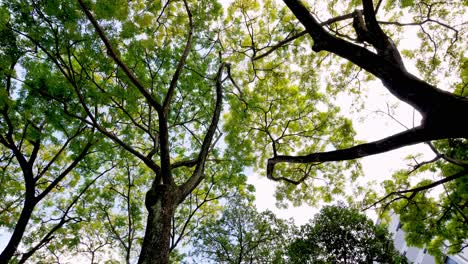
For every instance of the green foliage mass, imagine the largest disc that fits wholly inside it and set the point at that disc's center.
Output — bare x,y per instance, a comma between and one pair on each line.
77,131
340,234
243,235
434,218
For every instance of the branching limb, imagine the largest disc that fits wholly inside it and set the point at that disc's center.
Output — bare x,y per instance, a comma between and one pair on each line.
302,33
198,173
414,191
384,45
180,65
114,55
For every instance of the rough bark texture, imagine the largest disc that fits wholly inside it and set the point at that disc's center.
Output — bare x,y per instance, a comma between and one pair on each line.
161,205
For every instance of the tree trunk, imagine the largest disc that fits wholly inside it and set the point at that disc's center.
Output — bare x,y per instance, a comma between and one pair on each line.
18,233
161,204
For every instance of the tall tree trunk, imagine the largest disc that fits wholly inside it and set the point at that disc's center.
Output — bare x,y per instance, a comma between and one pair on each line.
161,204
18,233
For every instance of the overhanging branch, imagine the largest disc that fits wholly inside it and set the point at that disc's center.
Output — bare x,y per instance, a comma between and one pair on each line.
405,86
405,138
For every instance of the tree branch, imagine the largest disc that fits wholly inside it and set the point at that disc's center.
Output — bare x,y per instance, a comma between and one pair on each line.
404,138
405,86
384,45
302,33
414,191
113,54
198,173
180,65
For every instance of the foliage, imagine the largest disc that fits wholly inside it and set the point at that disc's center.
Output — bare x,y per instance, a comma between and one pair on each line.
67,78
110,114
434,218
339,234
280,107
243,235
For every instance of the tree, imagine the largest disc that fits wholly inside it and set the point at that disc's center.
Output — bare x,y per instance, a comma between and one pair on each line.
363,42
435,105
151,77
339,234
433,212
41,154
149,86
243,235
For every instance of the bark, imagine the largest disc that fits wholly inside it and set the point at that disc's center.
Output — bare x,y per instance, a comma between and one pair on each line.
439,109
164,195
19,230
161,204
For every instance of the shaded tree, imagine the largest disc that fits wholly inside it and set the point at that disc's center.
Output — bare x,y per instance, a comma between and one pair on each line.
243,235
150,87
339,234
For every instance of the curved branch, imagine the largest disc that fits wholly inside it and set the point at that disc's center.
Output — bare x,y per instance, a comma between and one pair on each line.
405,138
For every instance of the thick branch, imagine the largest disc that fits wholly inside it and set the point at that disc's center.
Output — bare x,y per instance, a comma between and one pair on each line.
406,87
198,173
113,54
384,45
405,138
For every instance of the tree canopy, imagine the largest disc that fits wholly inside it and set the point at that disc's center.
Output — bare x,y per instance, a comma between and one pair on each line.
123,123
339,234
243,235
